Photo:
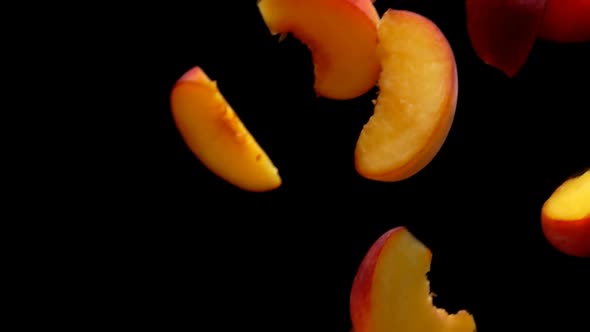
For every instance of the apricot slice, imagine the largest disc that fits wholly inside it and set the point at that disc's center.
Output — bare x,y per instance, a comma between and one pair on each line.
390,291
566,21
216,135
503,32
415,107
565,217
342,38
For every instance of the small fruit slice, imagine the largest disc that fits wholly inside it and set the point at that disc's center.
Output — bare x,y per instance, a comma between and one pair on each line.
342,38
503,32
217,137
566,21
390,291
565,217
417,98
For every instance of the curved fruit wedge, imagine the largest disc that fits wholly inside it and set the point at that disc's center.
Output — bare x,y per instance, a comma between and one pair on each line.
417,98
503,32
566,21
390,291
217,137
342,38
565,217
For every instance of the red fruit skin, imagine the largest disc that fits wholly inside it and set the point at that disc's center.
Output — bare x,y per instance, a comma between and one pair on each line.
503,32
569,237
566,21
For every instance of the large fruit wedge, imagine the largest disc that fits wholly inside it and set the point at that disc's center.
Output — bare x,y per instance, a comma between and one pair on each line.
415,108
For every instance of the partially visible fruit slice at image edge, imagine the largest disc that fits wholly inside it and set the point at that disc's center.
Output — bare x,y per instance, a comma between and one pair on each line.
390,291
503,32
565,216
341,36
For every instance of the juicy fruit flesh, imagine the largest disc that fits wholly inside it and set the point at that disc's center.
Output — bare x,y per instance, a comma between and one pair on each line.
218,137
413,89
338,47
571,201
408,283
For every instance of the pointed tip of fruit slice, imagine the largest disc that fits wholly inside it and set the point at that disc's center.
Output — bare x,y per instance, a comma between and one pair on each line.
571,201
194,74
503,32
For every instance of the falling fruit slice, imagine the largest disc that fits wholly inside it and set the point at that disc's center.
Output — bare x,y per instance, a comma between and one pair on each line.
566,21
414,111
390,292
503,32
341,36
565,217
216,135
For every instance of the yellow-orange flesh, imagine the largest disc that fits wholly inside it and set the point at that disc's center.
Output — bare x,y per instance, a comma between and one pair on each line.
216,135
571,201
401,292
417,99
342,38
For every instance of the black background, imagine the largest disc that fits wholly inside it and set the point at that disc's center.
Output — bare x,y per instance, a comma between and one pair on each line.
191,250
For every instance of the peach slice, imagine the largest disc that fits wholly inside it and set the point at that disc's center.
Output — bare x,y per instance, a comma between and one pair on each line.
390,291
417,97
216,135
565,217
342,38
566,21
503,32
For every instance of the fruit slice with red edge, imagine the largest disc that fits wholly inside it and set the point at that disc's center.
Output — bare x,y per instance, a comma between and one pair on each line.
415,107
390,291
565,216
342,38
503,32
216,135
566,21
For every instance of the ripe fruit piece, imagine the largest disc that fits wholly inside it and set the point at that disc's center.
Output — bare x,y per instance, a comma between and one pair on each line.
566,21
417,98
217,137
342,38
503,32
565,217
390,291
